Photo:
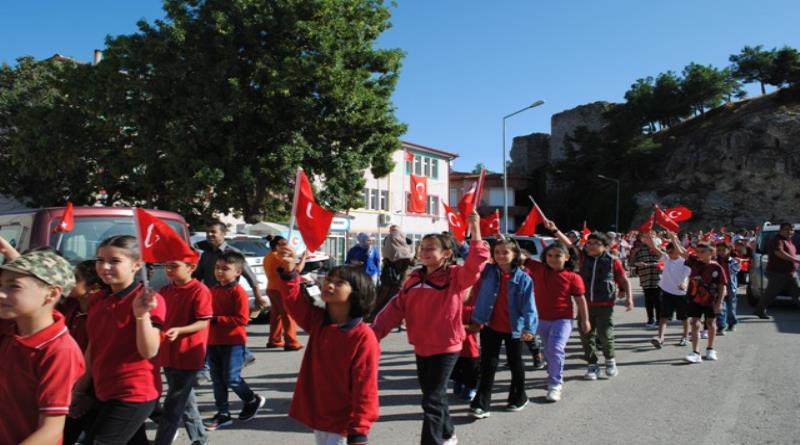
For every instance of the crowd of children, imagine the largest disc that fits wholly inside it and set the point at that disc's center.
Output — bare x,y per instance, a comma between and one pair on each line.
83,349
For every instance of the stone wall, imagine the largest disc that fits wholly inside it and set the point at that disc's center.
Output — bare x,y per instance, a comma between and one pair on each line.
563,124
529,153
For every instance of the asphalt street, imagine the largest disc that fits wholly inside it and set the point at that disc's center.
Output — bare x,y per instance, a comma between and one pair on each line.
749,396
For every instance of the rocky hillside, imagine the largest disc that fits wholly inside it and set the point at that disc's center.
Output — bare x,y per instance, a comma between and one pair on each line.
737,166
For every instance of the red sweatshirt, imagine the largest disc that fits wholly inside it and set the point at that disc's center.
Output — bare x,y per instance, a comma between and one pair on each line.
231,314
432,305
337,388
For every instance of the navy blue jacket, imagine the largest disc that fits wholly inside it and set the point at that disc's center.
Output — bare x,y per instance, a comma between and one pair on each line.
521,305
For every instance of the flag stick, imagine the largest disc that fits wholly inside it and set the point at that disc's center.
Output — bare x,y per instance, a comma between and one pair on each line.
294,204
143,270
536,205
58,242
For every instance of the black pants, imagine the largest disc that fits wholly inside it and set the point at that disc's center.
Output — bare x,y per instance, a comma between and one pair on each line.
120,423
466,372
491,341
432,373
652,303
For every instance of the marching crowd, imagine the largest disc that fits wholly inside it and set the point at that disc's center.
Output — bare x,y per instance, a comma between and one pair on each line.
83,349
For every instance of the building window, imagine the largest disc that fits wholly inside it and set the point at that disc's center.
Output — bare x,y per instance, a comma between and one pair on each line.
371,199
423,166
432,207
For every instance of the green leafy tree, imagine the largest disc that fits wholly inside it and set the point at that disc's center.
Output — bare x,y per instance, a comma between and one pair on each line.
785,69
226,98
753,64
50,144
705,87
669,105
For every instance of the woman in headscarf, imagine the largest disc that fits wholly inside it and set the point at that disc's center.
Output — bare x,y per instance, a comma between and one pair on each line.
397,257
365,256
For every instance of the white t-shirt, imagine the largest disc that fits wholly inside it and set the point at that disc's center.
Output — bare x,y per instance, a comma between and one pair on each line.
675,273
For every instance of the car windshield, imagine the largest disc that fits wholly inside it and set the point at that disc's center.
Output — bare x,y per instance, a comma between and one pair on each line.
81,243
249,247
766,237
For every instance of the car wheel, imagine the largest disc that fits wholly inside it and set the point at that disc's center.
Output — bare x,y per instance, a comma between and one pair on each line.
751,299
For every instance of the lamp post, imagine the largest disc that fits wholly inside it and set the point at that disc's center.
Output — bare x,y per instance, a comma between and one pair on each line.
505,175
616,181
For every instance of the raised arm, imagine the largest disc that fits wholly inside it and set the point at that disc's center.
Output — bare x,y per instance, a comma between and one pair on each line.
551,226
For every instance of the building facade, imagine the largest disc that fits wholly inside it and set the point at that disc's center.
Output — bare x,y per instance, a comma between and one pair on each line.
492,199
386,201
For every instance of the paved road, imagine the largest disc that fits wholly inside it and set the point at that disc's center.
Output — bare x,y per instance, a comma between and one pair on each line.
750,396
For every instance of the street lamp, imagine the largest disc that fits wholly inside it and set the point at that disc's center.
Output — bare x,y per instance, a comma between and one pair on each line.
616,181
505,176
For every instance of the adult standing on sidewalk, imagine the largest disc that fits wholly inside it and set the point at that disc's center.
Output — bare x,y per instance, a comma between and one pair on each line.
282,327
365,256
781,269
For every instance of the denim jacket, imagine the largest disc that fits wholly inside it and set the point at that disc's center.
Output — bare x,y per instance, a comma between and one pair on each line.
521,305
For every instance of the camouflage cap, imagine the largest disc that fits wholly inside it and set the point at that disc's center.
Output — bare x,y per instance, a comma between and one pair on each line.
46,266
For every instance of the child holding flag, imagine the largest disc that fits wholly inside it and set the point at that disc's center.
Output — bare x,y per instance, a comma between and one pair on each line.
431,303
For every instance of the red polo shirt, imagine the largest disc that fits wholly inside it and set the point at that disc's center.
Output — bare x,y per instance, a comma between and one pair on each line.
231,314
75,320
185,305
554,290
501,319
37,374
119,372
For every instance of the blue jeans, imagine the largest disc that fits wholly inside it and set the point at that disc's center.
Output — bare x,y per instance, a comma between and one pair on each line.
554,335
432,373
226,372
727,313
180,404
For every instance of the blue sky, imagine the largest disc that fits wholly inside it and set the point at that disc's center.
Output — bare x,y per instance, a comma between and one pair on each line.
469,62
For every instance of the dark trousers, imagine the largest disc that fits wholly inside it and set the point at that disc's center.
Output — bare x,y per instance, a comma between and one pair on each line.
601,322
432,373
180,406
226,363
652,304
466,372
491,341
120,423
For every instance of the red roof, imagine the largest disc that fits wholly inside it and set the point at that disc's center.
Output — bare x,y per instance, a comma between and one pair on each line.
437,151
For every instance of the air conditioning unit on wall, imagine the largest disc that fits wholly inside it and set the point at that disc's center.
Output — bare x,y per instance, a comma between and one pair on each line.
385,219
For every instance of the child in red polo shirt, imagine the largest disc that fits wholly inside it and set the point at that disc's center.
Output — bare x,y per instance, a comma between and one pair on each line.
74,308
183,350
40,361
227,340
123,324
343,412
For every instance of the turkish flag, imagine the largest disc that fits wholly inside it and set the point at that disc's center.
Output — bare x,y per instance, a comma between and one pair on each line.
313,221
419,194
534,218
647,226
67,220
409,156
665,221
585,232
159,242
457,225
491,224
679,214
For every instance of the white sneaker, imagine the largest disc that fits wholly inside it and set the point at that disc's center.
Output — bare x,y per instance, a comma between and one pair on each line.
611,368
453,440
554,393
704,334
711,354
694,357
591,373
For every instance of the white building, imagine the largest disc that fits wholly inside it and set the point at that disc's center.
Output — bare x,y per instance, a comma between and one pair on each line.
386,201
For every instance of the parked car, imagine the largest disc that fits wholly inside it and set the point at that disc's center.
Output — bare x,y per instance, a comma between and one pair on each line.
27,228
758,264
534,245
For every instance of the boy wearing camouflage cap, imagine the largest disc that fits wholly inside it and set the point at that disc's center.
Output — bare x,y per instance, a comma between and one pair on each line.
40,360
